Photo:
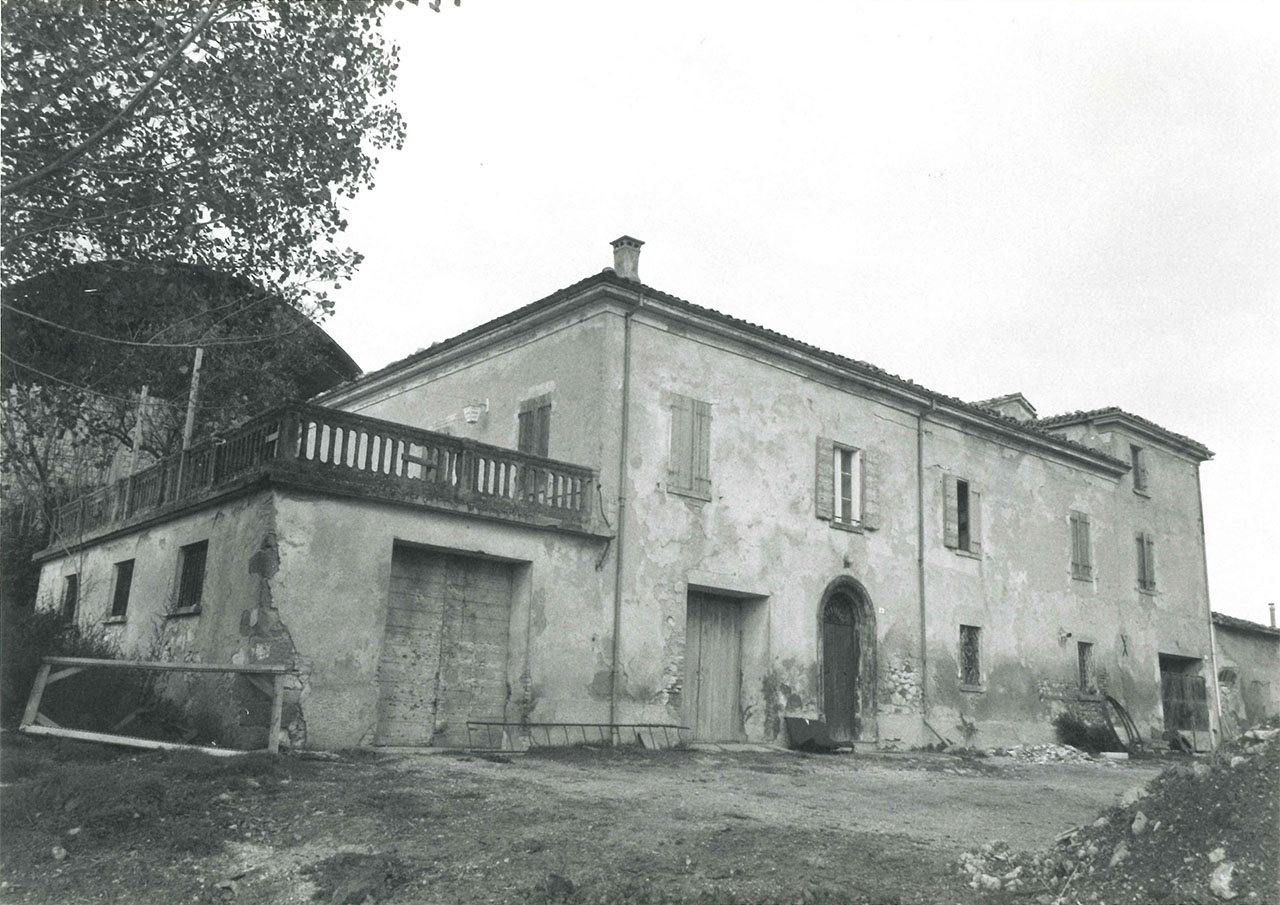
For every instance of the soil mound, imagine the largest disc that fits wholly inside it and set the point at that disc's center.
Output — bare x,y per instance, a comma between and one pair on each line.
1199,832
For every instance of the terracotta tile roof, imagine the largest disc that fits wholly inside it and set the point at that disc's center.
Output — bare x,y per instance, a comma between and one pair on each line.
1244,625
1094,414
608,277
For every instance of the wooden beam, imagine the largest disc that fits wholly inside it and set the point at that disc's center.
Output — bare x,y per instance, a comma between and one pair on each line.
65,673
37,691
262,684
107,738
42,720
260,668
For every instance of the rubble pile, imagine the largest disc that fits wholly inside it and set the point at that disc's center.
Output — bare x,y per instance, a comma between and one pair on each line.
1049,754
1198,833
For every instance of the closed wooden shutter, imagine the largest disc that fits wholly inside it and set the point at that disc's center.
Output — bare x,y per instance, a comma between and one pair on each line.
1086,555
1150,561
680,464
950,513
975,519
824,479
524,442
871,476
701,456
1075,544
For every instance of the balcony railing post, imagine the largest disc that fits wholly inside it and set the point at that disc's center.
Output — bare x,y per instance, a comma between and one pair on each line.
287,436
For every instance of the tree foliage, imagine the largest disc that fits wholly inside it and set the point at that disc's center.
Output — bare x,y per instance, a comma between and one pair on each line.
221,133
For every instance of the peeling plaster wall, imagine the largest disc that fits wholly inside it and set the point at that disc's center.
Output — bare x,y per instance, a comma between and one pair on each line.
1254,658
758,535
575,359
331,590
234,530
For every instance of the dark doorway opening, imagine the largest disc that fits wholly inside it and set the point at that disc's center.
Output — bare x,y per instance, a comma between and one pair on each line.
848,662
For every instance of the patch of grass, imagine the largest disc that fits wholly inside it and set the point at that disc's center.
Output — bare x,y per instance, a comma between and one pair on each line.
350,878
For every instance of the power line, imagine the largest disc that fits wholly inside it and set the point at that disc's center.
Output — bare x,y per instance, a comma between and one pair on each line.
155,345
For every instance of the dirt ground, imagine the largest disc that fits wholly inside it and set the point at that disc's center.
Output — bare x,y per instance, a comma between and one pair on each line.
82,823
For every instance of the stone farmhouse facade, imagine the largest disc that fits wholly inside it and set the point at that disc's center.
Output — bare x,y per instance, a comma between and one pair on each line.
613,506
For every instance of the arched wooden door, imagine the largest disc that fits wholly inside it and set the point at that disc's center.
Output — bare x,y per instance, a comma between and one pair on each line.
840,666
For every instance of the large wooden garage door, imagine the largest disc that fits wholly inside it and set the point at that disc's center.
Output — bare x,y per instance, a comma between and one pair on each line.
713,668
444,656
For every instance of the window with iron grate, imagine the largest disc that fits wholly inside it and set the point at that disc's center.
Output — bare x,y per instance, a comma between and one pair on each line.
970,655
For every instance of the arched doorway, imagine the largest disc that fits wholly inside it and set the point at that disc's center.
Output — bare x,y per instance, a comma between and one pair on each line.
848,661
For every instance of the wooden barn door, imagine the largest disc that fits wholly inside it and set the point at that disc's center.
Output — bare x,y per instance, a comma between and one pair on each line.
713,668
444,655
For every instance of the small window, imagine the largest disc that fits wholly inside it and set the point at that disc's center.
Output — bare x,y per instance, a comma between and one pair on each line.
963,527
1081,554
689,466
1084,659
970,655
1146,561
70,596
124,584
534,423
1138,460
191,576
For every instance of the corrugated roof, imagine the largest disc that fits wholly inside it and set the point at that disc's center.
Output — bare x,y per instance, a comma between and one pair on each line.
608,277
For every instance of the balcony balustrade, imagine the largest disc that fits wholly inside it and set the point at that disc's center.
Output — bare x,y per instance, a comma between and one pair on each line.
324,449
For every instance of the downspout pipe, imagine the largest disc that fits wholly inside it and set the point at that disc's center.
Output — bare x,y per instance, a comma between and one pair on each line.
920,569
1208,608
623,450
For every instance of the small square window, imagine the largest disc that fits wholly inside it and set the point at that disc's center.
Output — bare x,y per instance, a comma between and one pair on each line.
970,655
191,576
124,584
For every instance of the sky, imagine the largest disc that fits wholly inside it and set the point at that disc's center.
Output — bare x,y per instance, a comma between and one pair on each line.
1079,202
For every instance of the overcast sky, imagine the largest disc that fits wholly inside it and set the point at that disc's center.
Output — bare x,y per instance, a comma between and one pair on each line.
1077,202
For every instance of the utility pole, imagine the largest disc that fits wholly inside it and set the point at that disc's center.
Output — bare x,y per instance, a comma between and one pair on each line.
188,429
192,398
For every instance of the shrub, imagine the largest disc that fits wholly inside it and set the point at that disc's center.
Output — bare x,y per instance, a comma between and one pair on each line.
1091,737
28,637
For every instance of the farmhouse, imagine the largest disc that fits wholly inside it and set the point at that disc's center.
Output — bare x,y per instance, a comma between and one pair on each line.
612,506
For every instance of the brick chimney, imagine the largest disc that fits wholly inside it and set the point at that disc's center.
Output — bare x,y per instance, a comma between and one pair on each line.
626,258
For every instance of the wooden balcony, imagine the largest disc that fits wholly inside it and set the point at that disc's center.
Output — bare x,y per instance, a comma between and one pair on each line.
348,455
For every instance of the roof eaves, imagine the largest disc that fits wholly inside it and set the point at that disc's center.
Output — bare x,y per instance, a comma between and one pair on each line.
1244,624
1116,413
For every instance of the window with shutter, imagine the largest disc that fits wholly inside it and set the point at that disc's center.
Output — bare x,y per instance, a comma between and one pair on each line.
1081,554
1138,460
962,515
1146,561
534,423
191,576
689,463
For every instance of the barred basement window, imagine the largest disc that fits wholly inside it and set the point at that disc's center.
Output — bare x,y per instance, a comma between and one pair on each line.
1084,659
124,584
970,655
191,578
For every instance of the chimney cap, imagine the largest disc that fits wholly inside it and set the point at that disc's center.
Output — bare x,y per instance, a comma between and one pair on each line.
626,242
